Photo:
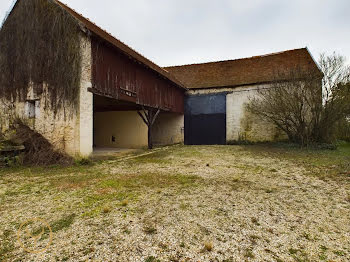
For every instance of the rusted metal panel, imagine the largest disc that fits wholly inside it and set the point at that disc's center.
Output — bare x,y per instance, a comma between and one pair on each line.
122,77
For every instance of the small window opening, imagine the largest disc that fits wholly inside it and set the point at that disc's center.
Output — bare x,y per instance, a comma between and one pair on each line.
30,109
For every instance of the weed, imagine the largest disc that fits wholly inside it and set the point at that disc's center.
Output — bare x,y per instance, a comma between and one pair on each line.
184,206
323,248
149,229
306,236
84,161
249,253
124,203
347,199
293,251
152,259
163,246
208,246
255,221
107,209
339,253
253,239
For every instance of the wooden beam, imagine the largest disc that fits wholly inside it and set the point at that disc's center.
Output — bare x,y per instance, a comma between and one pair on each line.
149,117
143,118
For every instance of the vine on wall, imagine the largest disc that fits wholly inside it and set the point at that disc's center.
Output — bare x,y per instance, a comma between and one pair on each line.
40,46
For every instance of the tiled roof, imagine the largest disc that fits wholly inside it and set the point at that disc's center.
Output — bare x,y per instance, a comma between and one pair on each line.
246,71
93,28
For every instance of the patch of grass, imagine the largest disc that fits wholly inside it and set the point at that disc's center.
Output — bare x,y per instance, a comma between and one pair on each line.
248,253
322,257
63,223
306,235
150,180
298,254
107,209
159,157
293,251
6,244
305,156
323,248
152,259
184,206
126,230
84,161
188,151
124,203
94,202
339,253
149,229
253,239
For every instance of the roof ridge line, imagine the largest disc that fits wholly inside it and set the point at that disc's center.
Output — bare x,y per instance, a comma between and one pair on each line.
237,59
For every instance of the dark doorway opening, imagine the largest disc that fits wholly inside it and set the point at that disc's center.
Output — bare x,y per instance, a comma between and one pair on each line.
205,119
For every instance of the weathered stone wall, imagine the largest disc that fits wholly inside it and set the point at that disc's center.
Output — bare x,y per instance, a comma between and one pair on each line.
85,115
59,130
242,125
68,130
168,129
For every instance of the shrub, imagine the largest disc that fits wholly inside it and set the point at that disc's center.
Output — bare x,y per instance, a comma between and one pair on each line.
308,104
38,150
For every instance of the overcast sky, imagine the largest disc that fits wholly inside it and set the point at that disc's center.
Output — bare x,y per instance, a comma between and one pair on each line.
173,32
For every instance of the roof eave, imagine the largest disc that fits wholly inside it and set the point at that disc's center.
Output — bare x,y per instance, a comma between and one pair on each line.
123,47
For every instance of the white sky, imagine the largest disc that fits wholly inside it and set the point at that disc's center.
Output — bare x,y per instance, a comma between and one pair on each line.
172,32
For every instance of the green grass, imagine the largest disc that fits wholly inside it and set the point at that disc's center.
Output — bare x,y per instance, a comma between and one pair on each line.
323,162
149,181
6,244
152,259
64,222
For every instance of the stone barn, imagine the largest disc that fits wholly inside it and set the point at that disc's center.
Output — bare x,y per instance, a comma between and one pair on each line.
218,91
81,87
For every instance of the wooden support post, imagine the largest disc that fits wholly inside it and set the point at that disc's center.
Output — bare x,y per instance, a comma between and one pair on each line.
149,117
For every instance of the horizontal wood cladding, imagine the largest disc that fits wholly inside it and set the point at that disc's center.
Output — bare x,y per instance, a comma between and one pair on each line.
119,76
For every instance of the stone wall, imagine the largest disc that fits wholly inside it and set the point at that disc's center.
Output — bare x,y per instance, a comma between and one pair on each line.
242,125
69,131
85,115
168,129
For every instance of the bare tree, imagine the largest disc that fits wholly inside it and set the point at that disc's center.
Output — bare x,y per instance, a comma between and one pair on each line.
306,105
336,95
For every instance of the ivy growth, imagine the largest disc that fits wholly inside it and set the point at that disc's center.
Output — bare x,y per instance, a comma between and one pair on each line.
40,46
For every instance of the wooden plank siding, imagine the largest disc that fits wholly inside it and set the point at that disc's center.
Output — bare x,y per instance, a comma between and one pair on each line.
117,75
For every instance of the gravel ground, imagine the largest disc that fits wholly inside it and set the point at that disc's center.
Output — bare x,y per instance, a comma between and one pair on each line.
199,203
